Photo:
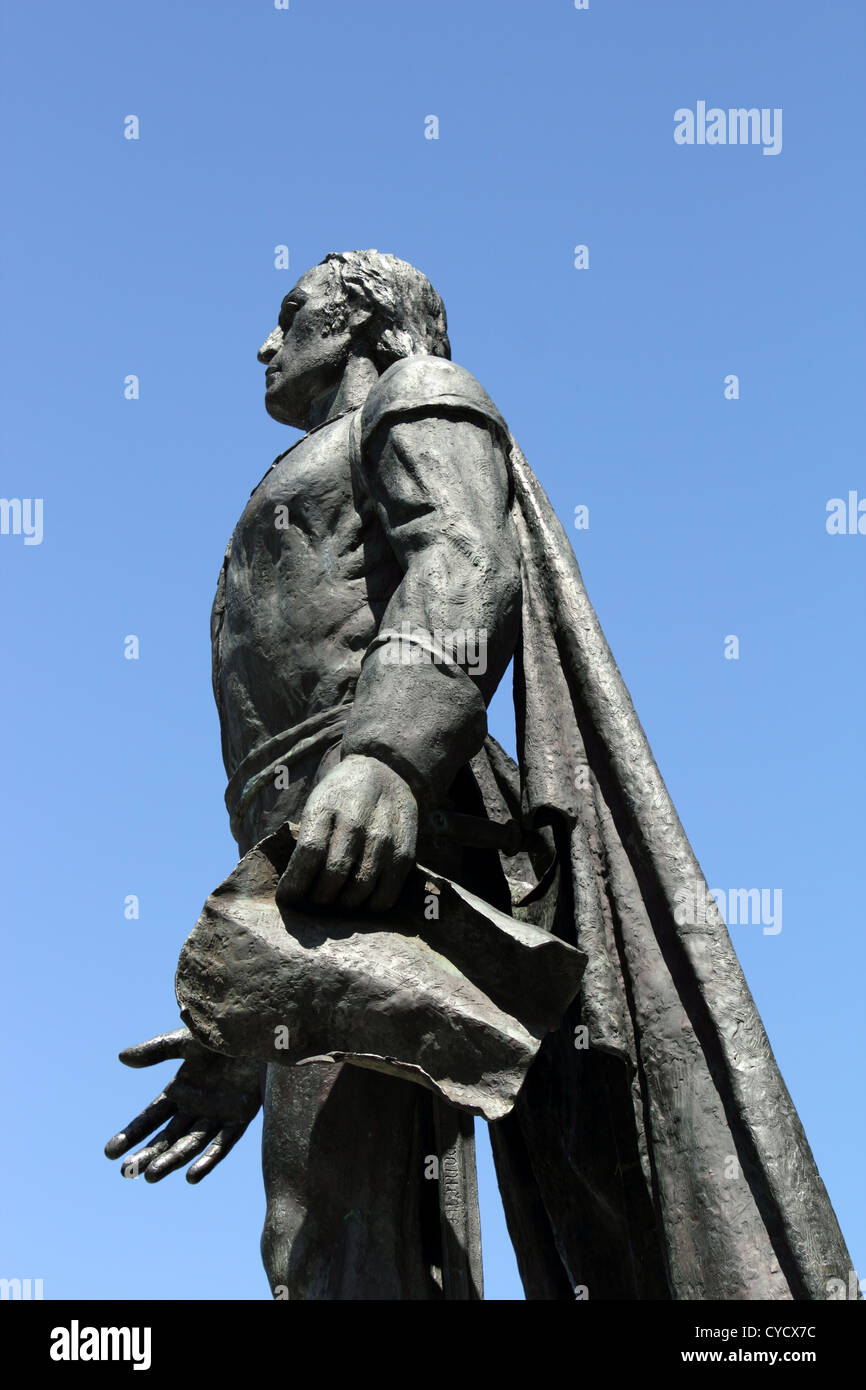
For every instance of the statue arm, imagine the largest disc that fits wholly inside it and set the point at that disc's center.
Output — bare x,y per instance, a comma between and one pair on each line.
439,480
440,485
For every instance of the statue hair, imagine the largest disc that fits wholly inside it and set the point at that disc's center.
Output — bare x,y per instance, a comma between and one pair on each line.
408,315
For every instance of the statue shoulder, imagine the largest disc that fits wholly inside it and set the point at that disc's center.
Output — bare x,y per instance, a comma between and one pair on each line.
426,383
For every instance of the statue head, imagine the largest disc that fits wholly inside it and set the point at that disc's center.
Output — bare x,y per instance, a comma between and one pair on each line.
364,306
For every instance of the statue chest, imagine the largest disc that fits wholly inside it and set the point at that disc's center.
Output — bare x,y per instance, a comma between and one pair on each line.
308,570
307,517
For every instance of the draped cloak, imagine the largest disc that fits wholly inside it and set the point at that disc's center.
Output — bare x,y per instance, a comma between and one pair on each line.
654,1151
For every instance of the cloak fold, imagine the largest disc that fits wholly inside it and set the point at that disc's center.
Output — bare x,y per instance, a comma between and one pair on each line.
654,1151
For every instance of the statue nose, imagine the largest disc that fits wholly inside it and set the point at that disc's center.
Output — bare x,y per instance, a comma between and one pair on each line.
270,347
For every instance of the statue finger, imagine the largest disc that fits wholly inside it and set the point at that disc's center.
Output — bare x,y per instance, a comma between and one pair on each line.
163,1048
222,1145
377,853
135,1166
198,1136
344,847
159,1110
391,880
307,858
356,892
377,843
406,836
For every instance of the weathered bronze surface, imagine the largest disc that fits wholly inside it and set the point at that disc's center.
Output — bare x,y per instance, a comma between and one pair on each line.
420,929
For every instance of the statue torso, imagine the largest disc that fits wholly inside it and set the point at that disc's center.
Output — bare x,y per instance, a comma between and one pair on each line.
306,580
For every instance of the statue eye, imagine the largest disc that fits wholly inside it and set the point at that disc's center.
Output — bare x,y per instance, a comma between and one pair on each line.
287,313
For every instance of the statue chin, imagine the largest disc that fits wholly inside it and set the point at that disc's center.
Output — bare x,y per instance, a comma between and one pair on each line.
281,412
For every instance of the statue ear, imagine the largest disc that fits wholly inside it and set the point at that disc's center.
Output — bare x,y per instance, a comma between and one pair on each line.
356,311
372,330
372,327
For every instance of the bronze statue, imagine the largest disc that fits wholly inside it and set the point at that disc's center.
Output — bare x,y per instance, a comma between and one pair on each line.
420,929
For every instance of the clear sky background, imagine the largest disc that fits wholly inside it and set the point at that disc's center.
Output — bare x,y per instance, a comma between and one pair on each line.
306,127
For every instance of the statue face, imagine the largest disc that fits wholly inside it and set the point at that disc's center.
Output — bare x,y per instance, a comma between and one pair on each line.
305,357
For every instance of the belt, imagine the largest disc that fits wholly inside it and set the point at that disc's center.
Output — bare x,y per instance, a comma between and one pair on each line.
317,735
257,769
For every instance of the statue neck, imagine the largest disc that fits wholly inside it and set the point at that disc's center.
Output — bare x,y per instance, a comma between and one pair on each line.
359,377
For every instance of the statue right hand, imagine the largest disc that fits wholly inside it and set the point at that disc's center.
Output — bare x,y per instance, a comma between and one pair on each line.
208,1105
356,840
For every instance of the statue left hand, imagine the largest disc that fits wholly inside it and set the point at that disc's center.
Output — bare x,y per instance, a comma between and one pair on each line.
208,1105
356,840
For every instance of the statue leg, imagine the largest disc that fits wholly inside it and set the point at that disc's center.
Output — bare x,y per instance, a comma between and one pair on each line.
353,1204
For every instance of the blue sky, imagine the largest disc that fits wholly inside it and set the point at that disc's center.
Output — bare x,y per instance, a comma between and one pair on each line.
707,516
